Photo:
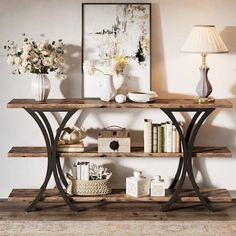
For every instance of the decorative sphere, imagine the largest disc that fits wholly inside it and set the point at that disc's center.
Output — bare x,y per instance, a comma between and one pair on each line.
120,98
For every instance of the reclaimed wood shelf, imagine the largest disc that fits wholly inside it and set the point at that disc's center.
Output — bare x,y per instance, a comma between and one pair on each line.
65,104
118,195
135,152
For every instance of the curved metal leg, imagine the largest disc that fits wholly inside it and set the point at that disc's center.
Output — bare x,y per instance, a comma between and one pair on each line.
69,201
49,165
191,125
177,175
178,189
193,135
60,172
187,144
53,161
181,161
50,132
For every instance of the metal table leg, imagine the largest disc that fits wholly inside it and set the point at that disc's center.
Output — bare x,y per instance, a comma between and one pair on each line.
187,144
49,164
54,166
180,165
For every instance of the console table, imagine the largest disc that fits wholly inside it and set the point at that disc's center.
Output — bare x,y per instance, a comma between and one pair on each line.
168,106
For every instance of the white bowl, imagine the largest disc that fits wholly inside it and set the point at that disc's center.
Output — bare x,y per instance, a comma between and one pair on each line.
142,96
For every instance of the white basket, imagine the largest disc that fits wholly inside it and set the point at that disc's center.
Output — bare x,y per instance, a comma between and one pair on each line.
90,187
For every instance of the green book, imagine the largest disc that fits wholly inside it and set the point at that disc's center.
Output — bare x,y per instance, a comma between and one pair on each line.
160,138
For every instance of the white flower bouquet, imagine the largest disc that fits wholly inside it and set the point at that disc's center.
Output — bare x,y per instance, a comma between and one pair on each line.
32,57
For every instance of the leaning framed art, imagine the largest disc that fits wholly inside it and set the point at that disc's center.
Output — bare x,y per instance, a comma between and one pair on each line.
116,40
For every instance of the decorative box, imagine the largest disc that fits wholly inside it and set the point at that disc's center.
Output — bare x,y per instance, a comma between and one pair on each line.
157,186
113,139
137,185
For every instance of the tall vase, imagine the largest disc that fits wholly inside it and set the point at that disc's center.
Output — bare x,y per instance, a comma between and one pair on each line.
118,80
40,87
108,91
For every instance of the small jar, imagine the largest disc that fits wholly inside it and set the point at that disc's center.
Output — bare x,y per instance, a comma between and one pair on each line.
137,185
157,186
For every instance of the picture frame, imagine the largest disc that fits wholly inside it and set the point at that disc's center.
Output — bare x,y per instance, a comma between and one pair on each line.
112,32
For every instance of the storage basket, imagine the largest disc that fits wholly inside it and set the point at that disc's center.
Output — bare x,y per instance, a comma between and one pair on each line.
90,187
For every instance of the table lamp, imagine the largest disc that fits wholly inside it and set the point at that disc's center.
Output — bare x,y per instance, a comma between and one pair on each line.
204,39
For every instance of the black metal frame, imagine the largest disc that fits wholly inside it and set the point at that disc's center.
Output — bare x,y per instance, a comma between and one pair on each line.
184,166
53,165
185,162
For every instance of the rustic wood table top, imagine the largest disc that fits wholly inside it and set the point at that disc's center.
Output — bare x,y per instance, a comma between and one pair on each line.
66,104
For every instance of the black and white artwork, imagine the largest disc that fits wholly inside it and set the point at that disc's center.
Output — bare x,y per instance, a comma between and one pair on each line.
116,38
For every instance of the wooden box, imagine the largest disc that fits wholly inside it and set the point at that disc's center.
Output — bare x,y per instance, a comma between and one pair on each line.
114,139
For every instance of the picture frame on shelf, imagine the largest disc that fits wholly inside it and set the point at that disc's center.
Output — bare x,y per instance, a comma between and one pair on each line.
116,39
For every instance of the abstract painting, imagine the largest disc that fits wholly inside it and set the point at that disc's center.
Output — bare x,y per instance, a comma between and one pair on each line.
114,32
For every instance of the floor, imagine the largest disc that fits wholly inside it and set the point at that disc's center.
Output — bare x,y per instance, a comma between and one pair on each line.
117,219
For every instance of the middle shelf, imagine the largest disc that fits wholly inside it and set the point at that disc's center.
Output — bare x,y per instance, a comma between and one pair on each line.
39,151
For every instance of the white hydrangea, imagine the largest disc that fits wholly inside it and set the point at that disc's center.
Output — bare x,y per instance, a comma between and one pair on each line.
43,57
25,55
45,52
24,63
27,47
17,60
47,61
22,69
34,57
10,60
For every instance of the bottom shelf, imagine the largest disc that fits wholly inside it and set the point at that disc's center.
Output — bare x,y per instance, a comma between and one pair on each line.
118,195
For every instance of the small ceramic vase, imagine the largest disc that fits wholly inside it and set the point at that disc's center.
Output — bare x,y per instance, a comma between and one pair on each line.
108,91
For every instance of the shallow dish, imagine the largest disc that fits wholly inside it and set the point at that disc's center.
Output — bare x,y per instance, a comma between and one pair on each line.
142,96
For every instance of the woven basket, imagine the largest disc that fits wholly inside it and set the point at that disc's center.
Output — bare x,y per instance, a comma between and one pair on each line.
86,188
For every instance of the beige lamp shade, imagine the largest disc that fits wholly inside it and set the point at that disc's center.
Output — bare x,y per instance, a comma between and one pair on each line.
204,39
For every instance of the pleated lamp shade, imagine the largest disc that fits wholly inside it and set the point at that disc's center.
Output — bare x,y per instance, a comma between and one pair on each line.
204,39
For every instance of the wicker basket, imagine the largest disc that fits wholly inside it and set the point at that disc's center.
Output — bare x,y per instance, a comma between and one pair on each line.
91,187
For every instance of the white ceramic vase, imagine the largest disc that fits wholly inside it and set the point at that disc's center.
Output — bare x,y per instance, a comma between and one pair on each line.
40,87
108,91
118,80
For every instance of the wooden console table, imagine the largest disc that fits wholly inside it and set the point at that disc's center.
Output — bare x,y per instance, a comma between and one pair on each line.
168,106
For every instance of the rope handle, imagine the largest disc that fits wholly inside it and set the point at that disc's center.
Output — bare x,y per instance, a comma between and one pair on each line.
69,176
114,126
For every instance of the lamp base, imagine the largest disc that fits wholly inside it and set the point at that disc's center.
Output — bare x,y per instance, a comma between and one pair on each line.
202,100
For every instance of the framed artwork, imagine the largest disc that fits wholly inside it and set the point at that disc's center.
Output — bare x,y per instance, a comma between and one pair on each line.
116,38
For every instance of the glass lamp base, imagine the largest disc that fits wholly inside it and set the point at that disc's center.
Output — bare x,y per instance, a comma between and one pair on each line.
201,100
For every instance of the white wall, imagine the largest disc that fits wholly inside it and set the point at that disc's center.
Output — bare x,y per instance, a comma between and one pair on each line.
174,75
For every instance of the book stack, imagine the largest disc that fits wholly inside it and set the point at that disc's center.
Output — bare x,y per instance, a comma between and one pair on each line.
77,147
161,137
81,170
147,135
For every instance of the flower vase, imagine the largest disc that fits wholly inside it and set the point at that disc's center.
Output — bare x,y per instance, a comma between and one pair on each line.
40,87
108,91
118,80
